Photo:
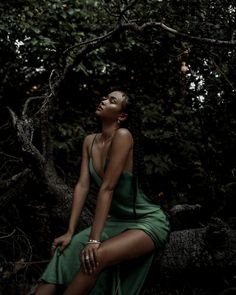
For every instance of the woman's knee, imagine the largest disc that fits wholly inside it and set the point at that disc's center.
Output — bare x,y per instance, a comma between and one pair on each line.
124,247
105,258
108,257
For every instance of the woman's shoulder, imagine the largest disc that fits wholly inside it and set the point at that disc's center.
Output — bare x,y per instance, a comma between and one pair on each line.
89,138
123,132
123,135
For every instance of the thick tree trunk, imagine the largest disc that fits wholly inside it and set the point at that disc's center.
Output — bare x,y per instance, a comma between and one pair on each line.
202,256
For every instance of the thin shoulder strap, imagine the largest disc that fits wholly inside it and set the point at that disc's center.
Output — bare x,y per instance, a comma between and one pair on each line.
91,146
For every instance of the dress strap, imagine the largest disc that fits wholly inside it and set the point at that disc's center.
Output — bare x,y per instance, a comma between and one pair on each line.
91,146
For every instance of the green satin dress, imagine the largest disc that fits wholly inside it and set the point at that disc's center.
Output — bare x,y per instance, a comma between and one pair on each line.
128,277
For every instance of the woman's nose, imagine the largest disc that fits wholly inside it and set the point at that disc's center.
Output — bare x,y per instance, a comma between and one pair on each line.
104,101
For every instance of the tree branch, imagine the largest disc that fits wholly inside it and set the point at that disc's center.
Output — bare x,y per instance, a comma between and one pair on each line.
25,108
128,7
87,42
135,27
140,28
90,45
23,135
14,191
4,184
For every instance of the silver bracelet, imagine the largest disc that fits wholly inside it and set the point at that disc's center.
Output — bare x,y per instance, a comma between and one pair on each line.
93,242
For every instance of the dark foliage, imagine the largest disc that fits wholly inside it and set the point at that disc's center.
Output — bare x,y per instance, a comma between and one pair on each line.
184,88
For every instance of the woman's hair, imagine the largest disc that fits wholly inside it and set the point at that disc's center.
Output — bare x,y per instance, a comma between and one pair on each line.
133,123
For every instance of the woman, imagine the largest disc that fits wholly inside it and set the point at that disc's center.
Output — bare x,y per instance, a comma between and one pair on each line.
127,225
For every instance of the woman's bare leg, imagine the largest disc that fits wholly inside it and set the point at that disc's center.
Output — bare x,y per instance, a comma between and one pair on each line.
127,245
46,289
81,284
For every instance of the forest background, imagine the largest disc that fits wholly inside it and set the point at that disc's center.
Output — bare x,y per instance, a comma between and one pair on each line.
180,69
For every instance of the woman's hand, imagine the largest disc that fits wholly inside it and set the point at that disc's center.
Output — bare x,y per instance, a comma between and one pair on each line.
61,242
89,258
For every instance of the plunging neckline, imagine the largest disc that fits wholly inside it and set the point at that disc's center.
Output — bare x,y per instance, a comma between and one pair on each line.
99,178
95,171
91,159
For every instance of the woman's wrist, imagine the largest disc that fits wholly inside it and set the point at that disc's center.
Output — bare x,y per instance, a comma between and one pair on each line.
70,231
91,241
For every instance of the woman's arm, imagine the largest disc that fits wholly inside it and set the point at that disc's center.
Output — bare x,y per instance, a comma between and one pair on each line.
121,145
79,197
81,188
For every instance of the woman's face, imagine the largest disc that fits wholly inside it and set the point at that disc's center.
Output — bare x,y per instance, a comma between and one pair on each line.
111,106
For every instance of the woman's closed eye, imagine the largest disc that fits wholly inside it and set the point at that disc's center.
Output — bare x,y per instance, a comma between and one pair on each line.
112,99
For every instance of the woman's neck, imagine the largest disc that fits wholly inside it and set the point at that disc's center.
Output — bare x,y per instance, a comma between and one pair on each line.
108,130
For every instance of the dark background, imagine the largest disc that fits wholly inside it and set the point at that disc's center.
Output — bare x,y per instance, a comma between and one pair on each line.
187,114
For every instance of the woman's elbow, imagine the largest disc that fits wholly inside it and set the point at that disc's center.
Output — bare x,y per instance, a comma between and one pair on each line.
82,187
107,189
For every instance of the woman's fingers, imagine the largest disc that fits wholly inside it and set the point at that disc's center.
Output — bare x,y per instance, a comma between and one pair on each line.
54,246
61,243
57,241
88,264
89,259
95,258
92,261
85,261
62,247
53,249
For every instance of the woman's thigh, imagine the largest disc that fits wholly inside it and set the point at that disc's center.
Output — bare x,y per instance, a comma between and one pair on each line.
127,245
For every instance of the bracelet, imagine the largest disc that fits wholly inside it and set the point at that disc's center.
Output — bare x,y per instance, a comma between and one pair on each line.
93,242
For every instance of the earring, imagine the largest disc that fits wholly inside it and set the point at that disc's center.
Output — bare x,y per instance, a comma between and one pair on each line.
118,121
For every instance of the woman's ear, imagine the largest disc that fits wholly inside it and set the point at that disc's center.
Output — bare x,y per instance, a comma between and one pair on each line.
122,117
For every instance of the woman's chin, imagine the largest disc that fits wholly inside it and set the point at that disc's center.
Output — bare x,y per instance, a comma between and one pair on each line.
97,113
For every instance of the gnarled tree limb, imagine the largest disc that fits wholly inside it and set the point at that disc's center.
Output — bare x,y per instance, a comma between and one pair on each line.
195,252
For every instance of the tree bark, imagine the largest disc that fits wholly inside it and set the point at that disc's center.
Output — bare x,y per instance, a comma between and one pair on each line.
197,255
